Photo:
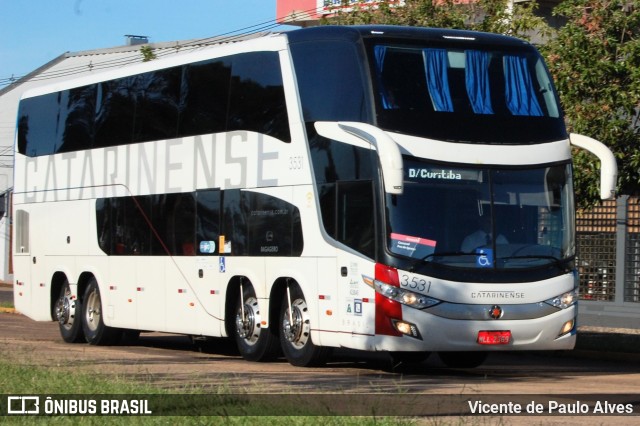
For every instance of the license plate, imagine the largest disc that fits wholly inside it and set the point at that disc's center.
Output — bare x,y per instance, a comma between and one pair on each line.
494,337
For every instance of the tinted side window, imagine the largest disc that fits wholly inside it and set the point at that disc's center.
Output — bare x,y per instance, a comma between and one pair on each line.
77,119
155,225
116,105
57,122
274,227
208,222
173,220
356,216
157,96
235,208
204,97
181,227
257,100
189,224
37,125
334,161
240,92
348,214
345,176
122,228
331,81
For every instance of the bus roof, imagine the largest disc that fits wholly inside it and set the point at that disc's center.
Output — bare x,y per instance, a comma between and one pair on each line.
199,49
400,32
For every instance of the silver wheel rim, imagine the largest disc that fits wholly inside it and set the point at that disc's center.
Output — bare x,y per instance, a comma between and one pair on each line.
66,309
248,328
297,331
94,312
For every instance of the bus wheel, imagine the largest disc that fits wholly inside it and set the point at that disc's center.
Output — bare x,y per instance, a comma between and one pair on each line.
295,332
67,313
463,359
255,343
95,331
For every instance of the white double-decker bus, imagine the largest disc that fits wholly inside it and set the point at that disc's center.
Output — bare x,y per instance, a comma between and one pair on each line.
378,188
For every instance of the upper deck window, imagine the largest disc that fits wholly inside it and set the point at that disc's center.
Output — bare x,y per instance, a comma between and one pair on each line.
465,94
237,92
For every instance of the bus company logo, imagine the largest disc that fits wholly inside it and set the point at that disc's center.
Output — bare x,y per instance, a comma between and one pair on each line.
434,174
496,312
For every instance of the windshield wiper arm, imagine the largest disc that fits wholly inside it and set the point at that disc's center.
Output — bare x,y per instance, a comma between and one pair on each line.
451,253
443,254
532,256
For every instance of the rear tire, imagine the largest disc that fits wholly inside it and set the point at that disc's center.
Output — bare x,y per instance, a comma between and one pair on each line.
255,342
95,331
463,359
295,332
67,312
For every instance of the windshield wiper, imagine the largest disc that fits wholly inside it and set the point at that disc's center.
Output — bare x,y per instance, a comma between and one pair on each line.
443,254
531,256
451,253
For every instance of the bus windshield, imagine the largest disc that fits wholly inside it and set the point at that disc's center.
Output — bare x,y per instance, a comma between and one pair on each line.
465,93
472,217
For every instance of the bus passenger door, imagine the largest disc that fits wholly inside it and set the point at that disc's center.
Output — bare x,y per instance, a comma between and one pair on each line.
356,229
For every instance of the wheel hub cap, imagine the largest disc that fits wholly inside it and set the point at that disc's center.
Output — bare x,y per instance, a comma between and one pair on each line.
248,326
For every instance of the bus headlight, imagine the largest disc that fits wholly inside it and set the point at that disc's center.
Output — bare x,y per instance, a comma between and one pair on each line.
406,297
564,300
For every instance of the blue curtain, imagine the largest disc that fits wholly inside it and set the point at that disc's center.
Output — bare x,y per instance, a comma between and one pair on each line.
521,97
477,81
435,64
380,52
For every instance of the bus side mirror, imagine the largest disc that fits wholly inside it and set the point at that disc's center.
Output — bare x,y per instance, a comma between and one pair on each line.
608,165
389,155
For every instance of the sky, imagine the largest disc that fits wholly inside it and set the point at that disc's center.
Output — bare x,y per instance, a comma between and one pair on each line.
33,32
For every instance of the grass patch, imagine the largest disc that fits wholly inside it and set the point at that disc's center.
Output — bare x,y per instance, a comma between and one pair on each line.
23,379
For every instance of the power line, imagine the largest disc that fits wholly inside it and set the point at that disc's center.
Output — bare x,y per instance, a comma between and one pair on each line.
228,37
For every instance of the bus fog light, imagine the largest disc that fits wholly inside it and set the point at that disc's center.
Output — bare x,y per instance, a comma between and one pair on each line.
567,327
407,328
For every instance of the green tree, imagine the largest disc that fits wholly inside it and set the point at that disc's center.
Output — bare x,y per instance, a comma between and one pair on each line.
484,15
595,61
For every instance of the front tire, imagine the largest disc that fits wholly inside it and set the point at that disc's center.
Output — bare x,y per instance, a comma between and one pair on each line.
295,332
95,331
67,312
254,342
